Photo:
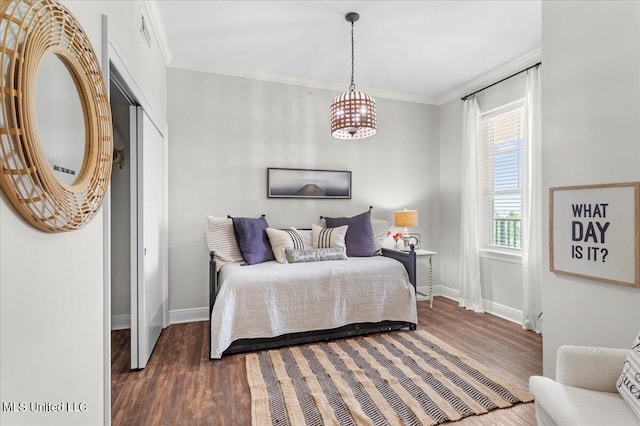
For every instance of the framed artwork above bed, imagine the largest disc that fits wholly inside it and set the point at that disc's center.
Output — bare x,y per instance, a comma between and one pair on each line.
308,183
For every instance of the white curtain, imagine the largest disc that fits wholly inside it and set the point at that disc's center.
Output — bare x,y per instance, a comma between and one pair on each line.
470,291
532,260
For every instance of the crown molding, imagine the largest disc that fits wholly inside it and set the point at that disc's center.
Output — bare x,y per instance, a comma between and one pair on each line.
157,23
496,75
213,68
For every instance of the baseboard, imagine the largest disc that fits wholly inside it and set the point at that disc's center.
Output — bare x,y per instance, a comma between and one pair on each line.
490,307
449,293
178,316
423,293
120,322
438,290
503,311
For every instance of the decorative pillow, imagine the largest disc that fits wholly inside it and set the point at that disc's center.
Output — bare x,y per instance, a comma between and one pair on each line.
359,238
328,237
306,236
222,240
282,239
629,382
380,228
315,255
252,239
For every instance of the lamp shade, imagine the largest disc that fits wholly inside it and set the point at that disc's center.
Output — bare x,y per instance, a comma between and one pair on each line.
405,218
353,116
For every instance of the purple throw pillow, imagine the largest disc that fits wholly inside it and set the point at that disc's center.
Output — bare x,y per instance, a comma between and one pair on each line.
359,238
252,239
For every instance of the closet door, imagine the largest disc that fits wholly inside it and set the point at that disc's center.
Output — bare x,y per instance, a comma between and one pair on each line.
148,297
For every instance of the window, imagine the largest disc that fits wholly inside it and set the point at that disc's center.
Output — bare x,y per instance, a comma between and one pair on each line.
502,133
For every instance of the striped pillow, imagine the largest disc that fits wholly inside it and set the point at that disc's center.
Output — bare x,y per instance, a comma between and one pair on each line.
282,239
222,240
328,237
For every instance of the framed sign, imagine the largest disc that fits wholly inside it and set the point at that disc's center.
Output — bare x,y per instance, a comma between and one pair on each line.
594,232
306,183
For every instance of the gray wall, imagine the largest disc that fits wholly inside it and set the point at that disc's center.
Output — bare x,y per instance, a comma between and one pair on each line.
590,128
501,278
226,131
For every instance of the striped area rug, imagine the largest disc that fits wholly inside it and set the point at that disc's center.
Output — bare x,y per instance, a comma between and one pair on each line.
402,378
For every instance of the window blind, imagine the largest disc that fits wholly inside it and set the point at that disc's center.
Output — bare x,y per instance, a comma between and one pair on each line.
503,139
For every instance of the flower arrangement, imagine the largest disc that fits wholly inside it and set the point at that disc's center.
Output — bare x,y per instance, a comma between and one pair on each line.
397,236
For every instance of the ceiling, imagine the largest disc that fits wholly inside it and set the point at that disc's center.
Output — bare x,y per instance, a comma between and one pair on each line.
424,49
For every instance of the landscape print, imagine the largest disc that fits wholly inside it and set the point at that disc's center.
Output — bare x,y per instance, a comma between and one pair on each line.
305,183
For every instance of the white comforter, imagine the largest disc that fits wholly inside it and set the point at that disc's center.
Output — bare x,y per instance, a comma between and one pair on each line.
271,299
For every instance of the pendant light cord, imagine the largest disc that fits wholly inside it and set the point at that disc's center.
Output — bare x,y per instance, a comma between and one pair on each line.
352,87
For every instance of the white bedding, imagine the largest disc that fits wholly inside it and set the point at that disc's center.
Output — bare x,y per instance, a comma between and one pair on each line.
256,300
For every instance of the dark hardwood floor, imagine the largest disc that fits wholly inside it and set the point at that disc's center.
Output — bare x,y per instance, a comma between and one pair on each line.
180,386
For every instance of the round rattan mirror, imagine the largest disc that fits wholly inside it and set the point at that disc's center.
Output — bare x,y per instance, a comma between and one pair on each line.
55,127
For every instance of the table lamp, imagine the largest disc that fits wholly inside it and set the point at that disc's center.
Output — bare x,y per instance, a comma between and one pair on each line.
404,219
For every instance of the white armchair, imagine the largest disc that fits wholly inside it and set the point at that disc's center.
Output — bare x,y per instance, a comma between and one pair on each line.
584,392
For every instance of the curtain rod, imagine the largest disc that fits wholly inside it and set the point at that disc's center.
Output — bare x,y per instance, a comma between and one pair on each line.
464,98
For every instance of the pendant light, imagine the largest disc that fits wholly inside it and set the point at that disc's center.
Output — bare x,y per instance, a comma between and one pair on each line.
353,114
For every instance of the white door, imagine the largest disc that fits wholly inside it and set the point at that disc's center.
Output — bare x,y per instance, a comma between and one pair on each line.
148,238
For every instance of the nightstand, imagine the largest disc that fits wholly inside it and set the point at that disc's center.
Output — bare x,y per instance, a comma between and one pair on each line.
424,256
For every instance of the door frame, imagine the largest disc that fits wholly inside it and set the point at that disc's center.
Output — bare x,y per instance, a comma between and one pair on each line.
113,56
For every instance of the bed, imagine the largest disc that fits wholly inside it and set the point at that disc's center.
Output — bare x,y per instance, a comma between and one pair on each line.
272,304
